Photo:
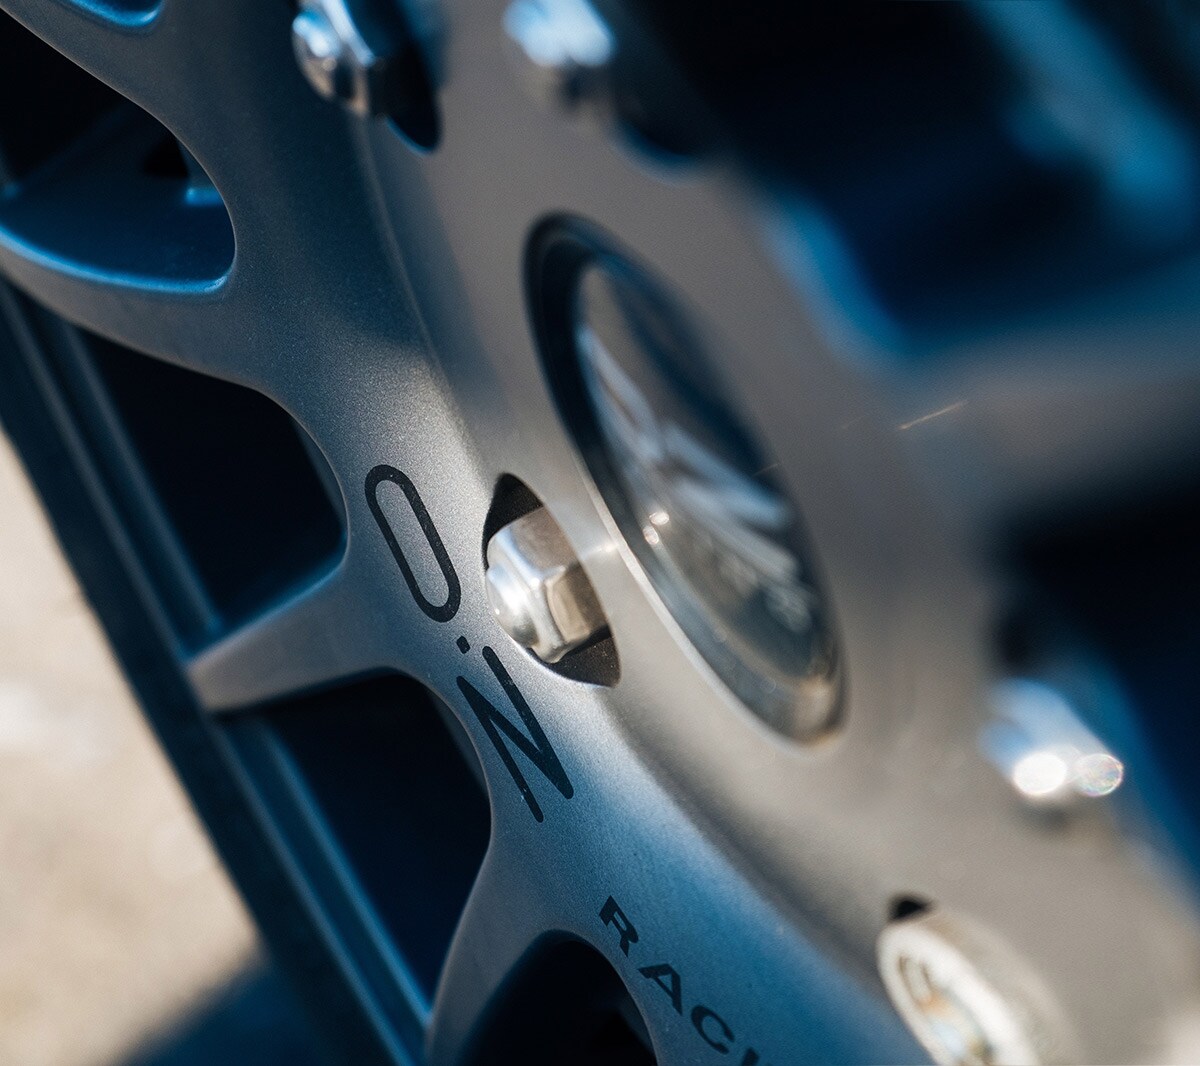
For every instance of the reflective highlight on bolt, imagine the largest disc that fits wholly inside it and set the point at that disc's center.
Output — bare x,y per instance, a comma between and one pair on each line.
563,46
538,590
1038,742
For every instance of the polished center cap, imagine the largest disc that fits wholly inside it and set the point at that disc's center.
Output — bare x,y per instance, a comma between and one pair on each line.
699,500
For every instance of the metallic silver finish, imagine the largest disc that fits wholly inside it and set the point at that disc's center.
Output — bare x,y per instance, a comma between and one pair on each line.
563,47
538,590
687,811
336,60
967,999
1038,742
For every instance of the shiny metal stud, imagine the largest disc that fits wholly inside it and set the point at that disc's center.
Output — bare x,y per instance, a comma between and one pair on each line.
966,998
1038,742
338,62
537,588
563,47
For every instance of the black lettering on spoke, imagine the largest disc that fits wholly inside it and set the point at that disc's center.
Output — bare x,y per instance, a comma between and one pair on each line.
501,731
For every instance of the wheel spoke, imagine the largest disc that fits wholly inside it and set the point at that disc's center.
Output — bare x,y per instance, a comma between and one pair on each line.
317,638
301,254
486,949
125,53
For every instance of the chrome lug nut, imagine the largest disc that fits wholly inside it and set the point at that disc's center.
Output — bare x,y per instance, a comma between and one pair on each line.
337,61
966,998
537,588
563,47
1047,754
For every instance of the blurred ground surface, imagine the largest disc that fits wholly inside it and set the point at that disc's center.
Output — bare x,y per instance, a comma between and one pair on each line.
121,941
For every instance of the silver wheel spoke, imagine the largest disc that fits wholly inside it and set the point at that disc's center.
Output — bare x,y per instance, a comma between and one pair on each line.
316,639
211,322
488,944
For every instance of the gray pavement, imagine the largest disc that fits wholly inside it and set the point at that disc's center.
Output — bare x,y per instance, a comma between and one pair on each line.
116,921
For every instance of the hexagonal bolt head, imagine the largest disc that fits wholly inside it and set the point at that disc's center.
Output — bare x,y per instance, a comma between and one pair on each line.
537,588
338,63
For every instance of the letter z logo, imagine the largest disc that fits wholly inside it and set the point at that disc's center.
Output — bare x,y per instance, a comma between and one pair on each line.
534,745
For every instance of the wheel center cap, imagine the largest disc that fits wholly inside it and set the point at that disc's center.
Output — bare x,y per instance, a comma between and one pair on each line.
696,496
